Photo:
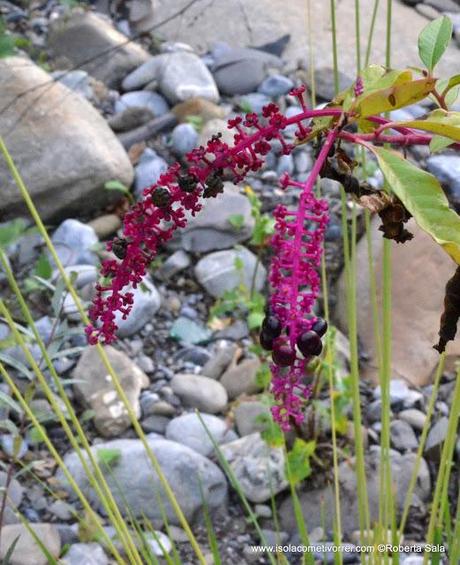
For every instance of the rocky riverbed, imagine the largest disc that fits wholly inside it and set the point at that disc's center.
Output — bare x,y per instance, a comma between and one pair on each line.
96,102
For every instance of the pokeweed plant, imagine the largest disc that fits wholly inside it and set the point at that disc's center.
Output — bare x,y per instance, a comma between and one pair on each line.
353,118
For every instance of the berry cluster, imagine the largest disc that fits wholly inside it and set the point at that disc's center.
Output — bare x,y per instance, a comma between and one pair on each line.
283,354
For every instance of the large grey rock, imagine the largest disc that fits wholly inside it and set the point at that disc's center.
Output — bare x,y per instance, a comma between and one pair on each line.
207,395
146,302
74,243
212,228
220,271
135,484
258,467
96,390
322,500
89,41
270,20
27,551
181,75
62,146
190,431
420,270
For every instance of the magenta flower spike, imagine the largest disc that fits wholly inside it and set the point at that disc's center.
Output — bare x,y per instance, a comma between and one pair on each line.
295,282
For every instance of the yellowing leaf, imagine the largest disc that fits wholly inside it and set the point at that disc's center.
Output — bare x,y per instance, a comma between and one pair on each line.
440,122
422,195
393,97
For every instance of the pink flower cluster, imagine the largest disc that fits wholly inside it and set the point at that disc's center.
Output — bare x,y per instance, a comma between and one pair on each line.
297,243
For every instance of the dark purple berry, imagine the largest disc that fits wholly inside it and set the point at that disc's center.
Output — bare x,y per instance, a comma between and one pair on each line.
309,343
266,341
119,247
283,354
271,326
320,327
161,197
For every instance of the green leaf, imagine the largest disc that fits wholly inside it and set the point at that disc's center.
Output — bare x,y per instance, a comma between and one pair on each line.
7,41
440,122
255,320
108,457
424,198
6,399
119,186
299,460
43,267
9,554
433,41
271,434
445,86
438,143
12,231
263,376
237,221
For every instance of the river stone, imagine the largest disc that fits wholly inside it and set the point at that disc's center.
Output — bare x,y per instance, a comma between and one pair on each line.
415,418
181,75
322,500
435,438
201,107
89,41
247,416
402,436
207,395
13,500
219,271
95,389
131,118
216,126
241,378
148,171
184,469
184,138
190,431
27,551
212,228
420,271
82,153
146,302
241,70
276,85
74,243
143,99
258,468
79,81
85,554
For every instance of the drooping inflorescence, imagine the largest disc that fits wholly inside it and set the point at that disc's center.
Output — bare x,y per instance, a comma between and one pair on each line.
167,204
